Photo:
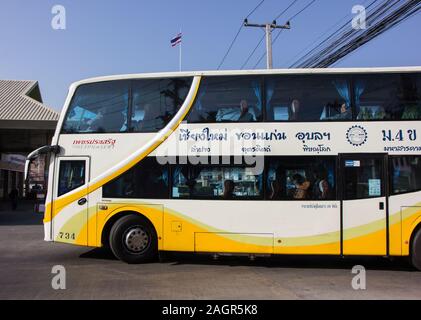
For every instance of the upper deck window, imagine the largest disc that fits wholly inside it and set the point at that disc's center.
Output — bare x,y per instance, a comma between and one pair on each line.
98,108
228,99
156,101
388,97
308,98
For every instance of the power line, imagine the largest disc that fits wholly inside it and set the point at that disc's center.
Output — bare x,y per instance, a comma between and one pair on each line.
264,54
390,22
285,10
332,35
252,53
339,37
230,47
261,39
268,34
257,7
280,31
302,10
381,18
238,33
325,33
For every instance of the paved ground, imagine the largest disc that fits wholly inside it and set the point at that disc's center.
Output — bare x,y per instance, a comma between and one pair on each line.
26,262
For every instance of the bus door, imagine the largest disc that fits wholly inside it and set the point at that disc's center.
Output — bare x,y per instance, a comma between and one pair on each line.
69,223
364,202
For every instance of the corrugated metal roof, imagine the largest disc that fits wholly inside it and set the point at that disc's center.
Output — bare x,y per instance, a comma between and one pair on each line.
16,105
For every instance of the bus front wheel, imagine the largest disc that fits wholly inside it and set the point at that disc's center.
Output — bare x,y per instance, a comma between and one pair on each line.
133,239
416,250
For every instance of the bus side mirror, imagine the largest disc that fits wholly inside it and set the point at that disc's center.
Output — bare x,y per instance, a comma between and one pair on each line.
27,165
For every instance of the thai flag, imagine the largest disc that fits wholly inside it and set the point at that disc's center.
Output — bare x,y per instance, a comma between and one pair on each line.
176,40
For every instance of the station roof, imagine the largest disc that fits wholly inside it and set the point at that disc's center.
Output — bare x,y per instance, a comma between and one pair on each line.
21,106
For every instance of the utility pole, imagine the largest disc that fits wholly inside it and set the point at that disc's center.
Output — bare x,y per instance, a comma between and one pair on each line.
268,30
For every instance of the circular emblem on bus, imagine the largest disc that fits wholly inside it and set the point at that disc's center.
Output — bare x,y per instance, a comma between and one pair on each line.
356,135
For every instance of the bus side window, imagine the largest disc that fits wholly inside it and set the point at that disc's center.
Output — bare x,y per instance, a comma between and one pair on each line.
308,98
406,174
147,180
98,108
216,182
71,175
300,178
156,101
364,180
228,99
388,97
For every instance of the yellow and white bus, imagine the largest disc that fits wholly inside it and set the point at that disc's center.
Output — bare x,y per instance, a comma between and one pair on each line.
309,162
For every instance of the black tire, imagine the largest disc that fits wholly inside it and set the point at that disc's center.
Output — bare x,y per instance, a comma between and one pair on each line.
128,239
416,250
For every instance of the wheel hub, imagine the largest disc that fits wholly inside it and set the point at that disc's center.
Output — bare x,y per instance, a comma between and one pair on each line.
136,239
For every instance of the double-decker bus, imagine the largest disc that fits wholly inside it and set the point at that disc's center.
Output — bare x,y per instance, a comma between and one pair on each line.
306,162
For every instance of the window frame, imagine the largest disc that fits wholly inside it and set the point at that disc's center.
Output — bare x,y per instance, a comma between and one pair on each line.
59,160
168,189
231,165
262,78
129,104
349,77
259,77
384,173
333,158
355,77
391,173
74,97
132,81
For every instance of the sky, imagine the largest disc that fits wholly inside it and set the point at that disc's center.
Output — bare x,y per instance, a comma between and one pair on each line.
107,37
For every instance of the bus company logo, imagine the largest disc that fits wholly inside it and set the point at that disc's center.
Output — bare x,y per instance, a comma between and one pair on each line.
94,143
356,135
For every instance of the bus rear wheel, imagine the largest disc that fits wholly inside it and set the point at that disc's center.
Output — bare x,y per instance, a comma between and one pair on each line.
416,250
133,239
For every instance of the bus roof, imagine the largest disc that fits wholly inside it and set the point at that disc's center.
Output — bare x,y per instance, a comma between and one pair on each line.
248,72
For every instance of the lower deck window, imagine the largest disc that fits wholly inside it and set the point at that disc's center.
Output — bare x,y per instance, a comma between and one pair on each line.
300,178
284,178
406,174
71,175
147,180
364,180
216,182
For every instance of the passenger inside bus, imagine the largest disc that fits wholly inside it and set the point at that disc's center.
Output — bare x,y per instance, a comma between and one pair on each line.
152,120
277,190
301,191
97,123
107,120
219,182
320,187
245,115
302,178
338,110
371,113
228,189
294,113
